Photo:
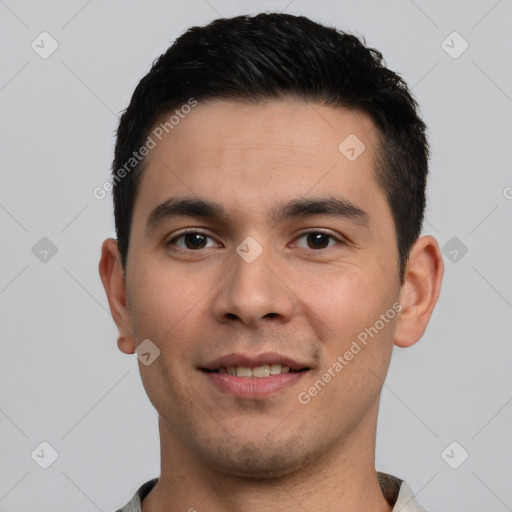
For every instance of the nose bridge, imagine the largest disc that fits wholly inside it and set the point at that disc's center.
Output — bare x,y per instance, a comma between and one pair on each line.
255,287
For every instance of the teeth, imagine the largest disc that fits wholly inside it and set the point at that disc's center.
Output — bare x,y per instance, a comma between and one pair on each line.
275,369
243,371
261,371
264,370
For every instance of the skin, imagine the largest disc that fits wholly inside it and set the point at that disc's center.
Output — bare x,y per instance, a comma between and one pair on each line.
220,452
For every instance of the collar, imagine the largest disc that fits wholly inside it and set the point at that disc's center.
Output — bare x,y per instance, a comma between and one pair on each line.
398,494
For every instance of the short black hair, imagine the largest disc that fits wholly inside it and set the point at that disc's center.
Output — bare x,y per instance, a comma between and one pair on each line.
272,56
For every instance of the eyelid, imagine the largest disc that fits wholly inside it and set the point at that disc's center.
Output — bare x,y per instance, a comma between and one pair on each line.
322,230
186,231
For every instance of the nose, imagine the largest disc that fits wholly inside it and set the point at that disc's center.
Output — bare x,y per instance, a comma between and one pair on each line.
256,291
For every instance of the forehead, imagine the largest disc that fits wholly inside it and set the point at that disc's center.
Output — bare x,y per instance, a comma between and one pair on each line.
222,127
251,156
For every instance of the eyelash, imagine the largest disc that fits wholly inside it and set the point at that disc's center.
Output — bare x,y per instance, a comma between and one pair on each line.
200,232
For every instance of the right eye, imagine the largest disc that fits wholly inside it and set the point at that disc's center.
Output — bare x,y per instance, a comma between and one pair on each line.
193,240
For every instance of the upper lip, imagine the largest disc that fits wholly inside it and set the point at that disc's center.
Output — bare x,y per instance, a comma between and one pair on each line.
251,361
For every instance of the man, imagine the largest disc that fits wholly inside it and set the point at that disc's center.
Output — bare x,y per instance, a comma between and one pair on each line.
269,189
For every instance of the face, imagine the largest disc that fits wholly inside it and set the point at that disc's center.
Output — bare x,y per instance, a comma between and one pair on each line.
297,261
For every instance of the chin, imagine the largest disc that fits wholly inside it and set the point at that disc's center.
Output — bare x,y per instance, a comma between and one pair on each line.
261,461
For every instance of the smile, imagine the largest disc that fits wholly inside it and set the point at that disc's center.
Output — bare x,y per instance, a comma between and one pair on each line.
262,371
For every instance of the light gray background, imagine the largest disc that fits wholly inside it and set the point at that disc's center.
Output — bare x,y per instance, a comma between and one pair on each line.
62,379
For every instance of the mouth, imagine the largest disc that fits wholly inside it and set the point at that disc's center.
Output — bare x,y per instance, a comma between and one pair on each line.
254,377
262,371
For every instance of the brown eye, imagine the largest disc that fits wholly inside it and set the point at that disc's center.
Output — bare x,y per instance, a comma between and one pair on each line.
318,240
193,240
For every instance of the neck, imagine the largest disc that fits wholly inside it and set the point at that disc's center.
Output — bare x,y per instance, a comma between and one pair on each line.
343,479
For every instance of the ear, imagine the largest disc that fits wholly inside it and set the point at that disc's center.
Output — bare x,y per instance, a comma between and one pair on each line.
420,290
114,282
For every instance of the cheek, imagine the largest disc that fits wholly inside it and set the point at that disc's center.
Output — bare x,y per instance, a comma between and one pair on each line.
358,333
355,300
170,308
159,299
359,347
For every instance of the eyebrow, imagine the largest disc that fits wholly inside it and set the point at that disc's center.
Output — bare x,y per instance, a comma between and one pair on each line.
332,206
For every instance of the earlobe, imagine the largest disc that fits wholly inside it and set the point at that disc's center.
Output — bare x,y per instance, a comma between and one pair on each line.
420,291
112,276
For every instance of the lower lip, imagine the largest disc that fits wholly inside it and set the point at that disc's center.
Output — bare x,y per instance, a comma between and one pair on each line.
254,387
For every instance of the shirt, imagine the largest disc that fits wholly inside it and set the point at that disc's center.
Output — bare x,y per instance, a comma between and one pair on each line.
396,491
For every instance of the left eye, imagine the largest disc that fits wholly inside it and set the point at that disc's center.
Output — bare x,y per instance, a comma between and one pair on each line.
198,240
317,239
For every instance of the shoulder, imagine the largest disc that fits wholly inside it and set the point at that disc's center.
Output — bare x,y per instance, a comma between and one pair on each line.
134,505
398,494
